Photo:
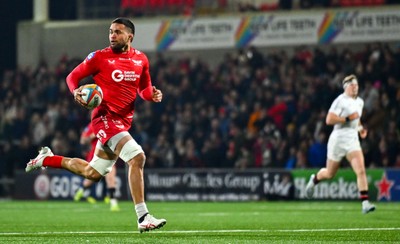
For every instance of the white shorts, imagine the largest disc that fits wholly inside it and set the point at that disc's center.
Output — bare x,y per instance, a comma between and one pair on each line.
339,147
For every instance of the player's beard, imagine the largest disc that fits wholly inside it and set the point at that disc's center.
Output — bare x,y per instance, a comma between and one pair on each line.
119,47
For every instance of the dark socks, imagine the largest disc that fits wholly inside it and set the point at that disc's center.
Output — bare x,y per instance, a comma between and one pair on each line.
316,181
363,195
111,192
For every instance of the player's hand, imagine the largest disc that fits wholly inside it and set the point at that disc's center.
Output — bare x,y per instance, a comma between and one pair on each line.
78,96
157,95
363,133
353,116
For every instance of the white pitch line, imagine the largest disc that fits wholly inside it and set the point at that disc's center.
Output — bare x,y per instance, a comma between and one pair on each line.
340,229
196,231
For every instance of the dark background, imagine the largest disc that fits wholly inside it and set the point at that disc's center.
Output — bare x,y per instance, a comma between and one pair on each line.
12,11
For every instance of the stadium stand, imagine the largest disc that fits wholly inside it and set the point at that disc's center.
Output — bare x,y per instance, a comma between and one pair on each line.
263,111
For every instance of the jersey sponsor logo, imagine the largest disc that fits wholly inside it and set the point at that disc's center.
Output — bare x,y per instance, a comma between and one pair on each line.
90,56
118,75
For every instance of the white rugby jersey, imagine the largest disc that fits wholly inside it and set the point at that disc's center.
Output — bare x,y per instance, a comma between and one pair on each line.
344,106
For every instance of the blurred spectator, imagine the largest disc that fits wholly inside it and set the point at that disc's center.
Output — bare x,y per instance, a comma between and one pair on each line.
277,112
317,152
38,129
291,161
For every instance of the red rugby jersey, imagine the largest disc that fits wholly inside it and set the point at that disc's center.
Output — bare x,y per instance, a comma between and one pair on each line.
121,76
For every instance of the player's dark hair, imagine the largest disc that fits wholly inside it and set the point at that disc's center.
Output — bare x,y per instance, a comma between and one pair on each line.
126,22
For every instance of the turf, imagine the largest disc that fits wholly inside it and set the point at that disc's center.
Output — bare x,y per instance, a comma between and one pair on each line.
195,222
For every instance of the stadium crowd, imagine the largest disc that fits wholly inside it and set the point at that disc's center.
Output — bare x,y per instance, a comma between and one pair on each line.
253,109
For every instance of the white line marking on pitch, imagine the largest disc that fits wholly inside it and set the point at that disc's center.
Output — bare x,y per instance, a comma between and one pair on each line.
196,231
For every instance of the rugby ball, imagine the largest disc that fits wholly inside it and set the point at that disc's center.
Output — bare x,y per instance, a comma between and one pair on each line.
92,95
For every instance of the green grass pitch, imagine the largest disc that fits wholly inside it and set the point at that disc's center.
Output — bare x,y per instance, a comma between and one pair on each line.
200,222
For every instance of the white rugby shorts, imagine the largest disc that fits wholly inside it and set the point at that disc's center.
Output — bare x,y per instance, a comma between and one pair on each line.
339,147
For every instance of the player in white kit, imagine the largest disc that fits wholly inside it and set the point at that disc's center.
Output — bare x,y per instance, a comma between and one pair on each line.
345,113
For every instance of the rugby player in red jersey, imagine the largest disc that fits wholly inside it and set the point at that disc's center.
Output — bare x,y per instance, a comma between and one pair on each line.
122,72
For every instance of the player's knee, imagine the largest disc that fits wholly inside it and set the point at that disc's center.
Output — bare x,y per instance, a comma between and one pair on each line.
132,154
138,161
93,175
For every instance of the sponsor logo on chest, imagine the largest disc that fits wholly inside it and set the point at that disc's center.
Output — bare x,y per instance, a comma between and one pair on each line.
118,75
